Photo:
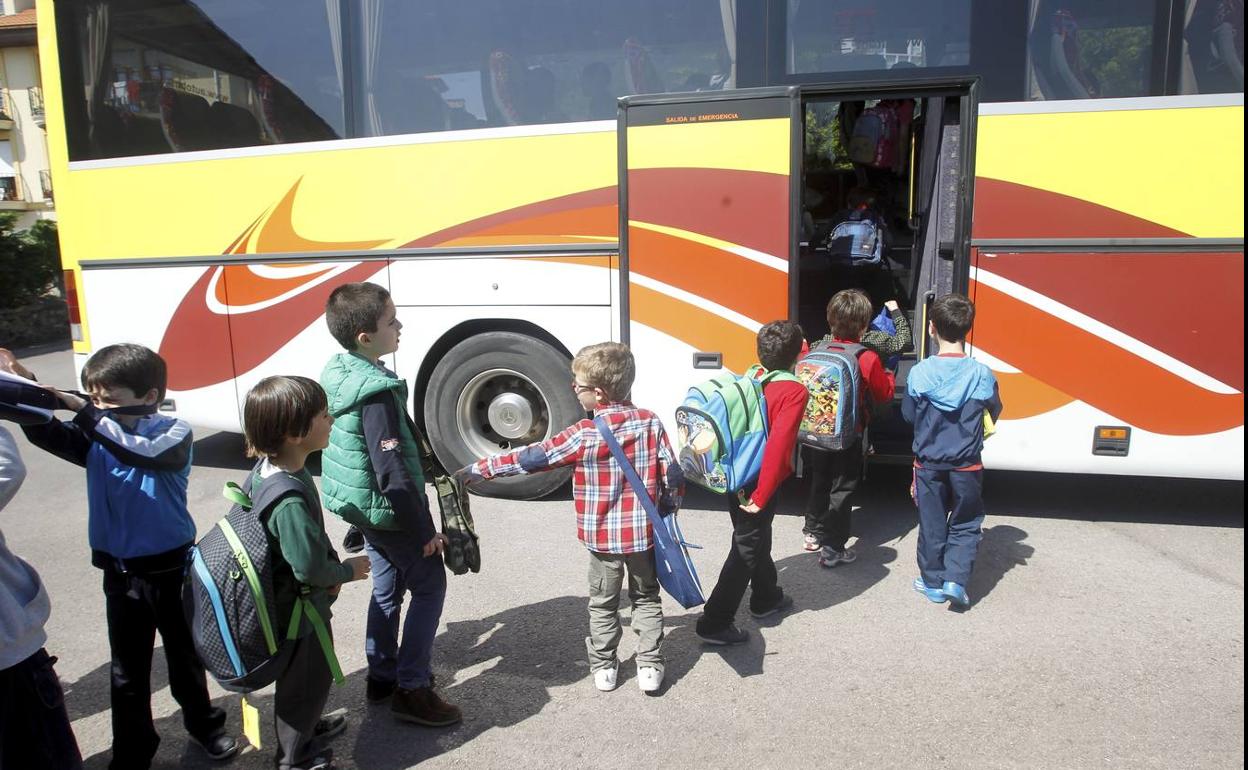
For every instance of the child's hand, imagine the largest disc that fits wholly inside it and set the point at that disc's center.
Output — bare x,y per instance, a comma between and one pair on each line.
359,567
466,476
751,507
72,403
436,545
891,306
333,590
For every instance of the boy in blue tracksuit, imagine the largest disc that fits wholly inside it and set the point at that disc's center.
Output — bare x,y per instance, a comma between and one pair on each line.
138,463
946,398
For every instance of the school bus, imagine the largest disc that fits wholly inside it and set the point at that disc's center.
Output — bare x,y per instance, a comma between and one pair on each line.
528,178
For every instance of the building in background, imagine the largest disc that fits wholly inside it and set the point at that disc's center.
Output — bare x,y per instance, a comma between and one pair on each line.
25,182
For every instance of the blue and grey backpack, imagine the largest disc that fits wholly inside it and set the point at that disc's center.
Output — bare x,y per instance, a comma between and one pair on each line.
229,598
721,429
832,374
858,239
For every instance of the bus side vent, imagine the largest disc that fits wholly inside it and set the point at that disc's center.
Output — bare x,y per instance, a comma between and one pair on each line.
1111,440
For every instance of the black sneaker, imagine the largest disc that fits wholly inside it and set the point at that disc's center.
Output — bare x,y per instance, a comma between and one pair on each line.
353,542
724,637
324,761
785,603
219,747
377,691
330,726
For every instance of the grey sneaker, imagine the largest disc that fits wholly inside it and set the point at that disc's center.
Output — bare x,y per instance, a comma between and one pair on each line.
783,604
830,557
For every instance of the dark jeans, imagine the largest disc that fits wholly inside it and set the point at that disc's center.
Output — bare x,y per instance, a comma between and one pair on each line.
749,563
951,517
834,479
399,567
302,690
138,605
34,728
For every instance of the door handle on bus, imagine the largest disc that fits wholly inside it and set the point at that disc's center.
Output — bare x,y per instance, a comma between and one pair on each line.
708,360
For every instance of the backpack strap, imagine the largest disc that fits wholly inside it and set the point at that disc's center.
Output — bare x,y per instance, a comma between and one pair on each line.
303,605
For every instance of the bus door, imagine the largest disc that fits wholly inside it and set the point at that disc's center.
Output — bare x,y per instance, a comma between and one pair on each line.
708,236
884,207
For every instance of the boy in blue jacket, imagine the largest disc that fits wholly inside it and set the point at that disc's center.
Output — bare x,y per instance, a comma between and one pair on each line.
138,463
946,398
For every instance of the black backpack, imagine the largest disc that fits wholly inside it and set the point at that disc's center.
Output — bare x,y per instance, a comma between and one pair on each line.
228,595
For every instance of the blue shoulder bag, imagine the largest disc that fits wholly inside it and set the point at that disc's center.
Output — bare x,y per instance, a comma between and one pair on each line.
671,555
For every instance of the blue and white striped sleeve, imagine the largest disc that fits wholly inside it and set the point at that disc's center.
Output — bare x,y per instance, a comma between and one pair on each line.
169,450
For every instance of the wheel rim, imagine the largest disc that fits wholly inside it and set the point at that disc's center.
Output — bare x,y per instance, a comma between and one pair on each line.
499,409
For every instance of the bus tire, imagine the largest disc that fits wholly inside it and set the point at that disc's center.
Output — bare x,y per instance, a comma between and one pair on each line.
495,392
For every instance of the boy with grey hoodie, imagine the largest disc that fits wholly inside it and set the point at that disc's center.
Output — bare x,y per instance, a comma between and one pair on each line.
34,726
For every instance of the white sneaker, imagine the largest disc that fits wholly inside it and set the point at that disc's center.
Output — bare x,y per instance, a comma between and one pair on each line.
649,679
604,678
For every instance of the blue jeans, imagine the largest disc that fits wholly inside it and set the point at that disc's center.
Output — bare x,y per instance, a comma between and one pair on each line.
951,518
399,567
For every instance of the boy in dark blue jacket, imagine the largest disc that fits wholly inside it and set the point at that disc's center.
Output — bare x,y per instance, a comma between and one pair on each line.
138,463
946,398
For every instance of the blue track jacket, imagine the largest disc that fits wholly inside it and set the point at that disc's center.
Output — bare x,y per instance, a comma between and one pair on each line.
945,400
136,485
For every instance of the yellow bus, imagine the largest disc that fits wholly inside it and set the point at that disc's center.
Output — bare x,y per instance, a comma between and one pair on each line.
530,177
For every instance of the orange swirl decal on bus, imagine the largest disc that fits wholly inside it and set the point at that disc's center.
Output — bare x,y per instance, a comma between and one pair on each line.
1064,359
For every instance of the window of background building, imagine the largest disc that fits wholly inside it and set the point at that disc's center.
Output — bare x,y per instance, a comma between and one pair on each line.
1213,47
8,174
161,76
849,35
1082,49
453,64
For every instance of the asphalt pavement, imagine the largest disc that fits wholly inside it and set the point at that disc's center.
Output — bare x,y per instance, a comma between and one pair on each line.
1106,630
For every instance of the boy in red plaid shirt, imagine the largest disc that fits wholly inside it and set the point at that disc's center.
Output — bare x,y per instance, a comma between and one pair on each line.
610,520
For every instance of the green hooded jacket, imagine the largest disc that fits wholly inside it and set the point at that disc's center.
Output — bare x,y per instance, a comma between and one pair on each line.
348,481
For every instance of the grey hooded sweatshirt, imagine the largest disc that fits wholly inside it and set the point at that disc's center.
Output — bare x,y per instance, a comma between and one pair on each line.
24,605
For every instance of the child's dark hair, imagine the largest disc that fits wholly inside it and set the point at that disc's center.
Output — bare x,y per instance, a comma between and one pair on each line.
849,312
353,309
953,315
126,366
779,345
278,408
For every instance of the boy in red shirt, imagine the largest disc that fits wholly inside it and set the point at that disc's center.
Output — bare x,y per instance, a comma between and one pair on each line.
835,475
749,563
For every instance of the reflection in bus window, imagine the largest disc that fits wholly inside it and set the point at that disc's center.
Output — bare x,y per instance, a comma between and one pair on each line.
849,35
152,76
502,63
1087,49
1213,47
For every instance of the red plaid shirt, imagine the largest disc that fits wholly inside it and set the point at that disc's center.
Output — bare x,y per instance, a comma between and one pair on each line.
609,517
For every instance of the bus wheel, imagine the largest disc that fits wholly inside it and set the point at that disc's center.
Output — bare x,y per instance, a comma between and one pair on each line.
496,392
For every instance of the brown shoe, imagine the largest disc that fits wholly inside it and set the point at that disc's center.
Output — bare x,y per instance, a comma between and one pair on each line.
424,707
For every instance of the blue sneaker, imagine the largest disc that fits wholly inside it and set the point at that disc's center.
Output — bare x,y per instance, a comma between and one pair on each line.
955,593
934,595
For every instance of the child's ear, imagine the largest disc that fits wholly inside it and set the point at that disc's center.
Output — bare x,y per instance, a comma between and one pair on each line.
152,397
362,339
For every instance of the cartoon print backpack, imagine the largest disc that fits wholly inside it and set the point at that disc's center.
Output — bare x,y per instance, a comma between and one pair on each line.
874,139
859,238
834,419
721,429
229,599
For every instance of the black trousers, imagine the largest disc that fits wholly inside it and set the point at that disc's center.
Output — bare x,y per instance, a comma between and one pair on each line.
139,605
34,727
749,564
834,479
302,690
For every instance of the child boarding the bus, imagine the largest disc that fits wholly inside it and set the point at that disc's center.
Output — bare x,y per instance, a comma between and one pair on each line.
138,462
612,523
285,419
371,478
749,563
835,475
947,397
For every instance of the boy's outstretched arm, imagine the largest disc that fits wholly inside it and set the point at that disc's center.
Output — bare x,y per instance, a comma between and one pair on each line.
380,418
671,477
564,448
66,440
167,451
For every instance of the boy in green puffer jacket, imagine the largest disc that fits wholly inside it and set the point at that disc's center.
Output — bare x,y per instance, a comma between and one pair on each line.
371,478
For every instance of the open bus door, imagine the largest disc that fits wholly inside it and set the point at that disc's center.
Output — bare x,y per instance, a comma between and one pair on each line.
708,189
